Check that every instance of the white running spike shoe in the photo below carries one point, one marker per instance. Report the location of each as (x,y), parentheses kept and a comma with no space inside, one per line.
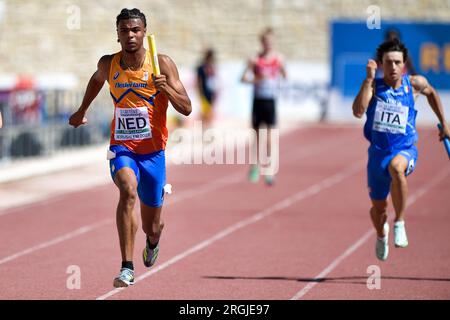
(125,278)
(382,245)
(400,238)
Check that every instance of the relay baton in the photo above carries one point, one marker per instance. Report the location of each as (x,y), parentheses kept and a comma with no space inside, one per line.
(154,54)
(446,142)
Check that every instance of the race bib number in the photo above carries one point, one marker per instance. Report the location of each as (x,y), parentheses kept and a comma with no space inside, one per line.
(132,124)
(390,118)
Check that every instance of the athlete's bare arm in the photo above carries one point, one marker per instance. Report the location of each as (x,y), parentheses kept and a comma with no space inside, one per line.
(169,83)
(420,85)
(93,88)
(365,94)
(283,68)
(248,76)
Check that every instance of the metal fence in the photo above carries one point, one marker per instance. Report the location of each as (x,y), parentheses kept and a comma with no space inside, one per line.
(52,133)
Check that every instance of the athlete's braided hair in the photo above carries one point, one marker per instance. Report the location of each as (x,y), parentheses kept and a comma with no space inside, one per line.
(127,14)
(392,45)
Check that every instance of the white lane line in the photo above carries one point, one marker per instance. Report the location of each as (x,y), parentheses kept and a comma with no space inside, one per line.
(57,240)
(311,149)
(204,188)
(412,199)
(310,191)
(85,229)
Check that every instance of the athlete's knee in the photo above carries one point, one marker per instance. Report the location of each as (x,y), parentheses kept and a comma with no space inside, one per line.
(374,211)
(379,208)
(128,193)
(397,169)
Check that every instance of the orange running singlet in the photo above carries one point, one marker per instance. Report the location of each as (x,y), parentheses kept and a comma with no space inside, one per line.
(139,121)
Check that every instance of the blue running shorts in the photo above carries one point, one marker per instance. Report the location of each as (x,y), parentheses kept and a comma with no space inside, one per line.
(150,171)
(378,176)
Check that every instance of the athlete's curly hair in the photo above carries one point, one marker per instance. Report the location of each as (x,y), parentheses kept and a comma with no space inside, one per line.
(127,14)
(392,45)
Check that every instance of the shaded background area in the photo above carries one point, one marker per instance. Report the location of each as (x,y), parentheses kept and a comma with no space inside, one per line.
(49,49)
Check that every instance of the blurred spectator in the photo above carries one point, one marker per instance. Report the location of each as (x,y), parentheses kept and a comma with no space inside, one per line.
(264,71)
(207,86)
(25,102)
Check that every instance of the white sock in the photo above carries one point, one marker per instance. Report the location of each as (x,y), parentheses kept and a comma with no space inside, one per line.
(400,223)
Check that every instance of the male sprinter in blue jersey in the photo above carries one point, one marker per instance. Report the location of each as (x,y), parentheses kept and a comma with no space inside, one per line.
(391,130)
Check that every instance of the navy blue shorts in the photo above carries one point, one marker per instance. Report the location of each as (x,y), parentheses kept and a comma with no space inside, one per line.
(378,176)
(264,112)
(150,171)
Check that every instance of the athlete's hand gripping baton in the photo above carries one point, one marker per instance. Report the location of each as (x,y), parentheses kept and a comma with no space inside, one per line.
(446,142)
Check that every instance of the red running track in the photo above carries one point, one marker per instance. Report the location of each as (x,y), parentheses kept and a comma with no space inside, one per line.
(307,237)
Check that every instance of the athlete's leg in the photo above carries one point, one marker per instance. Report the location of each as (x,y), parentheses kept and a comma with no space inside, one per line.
(151,194)
(268,161)
(270,120)
(271,124)
(205,111)
(257,145)
(253,175)
(256,124)
(126,181)
(125,174)
(400,167)
(269,141)
(379,181)
(152,224)
(399,186)
(379,216)
(254,158)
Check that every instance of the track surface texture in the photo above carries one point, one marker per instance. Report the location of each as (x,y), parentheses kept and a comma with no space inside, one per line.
(309,236)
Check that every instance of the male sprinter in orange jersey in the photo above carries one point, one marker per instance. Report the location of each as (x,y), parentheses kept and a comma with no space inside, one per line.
(138,133)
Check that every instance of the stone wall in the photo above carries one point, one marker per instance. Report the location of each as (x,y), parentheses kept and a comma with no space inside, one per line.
(35,37)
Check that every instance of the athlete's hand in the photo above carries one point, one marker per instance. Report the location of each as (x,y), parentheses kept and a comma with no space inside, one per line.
(160,82)
(78,119)
(445,132)
(371,69)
